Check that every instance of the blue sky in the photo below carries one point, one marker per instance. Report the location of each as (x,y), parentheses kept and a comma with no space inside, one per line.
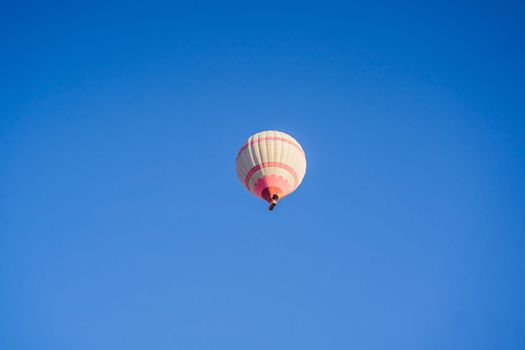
(123,224)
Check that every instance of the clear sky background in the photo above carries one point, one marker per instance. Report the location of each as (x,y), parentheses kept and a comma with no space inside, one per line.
(123,224)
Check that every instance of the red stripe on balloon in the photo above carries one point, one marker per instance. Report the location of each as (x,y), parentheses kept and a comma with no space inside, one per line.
(267,165)
(269,138)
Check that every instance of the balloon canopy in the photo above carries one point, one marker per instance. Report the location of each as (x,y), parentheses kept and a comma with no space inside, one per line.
(271,165)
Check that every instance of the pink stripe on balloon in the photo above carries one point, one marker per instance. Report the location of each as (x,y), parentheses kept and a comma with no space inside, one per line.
(267,165)
(269,138)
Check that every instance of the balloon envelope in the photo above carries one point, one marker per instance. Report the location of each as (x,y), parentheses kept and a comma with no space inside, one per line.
(271,165)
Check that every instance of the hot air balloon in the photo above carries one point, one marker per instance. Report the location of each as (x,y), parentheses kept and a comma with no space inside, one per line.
(271,165)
